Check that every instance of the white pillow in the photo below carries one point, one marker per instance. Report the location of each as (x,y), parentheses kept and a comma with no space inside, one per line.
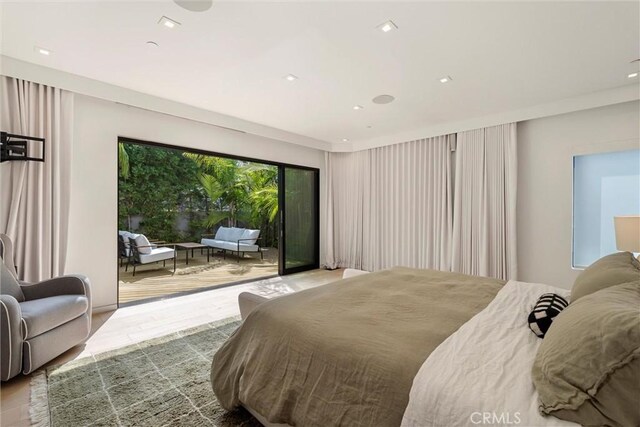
(141,240)
(222,233)
(235,234)
(250,234)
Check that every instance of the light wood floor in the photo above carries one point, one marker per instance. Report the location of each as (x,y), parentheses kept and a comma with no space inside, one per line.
(154,280)
(145,321)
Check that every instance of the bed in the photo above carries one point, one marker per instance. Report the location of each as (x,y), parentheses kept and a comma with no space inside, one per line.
(397,347)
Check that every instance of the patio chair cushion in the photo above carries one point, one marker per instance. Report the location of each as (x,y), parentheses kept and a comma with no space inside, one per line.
(141,240)
(44,314)
(248,248)
(235,234)
(250,234)
(230,246)
(222,233)
(126,235)
(157,254)
(233,246)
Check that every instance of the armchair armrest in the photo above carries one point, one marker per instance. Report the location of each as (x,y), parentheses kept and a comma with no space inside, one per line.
(241,240)
(10,337)
(63,285)
(256,239)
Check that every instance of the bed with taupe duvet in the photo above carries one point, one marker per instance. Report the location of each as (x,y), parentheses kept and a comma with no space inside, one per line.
(354,353)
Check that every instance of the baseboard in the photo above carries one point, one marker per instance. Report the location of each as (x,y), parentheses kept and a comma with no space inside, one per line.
(104,308)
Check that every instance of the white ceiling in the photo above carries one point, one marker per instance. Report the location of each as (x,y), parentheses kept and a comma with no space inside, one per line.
(502,56)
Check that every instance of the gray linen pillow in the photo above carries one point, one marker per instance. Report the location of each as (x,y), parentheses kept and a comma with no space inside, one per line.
(587,369)
(610,270)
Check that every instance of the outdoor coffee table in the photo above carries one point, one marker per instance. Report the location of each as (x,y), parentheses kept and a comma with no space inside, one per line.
(192,246)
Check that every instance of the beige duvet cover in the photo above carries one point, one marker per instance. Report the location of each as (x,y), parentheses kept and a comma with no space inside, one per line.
(345,353)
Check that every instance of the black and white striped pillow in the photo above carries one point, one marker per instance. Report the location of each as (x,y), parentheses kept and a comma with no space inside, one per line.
(543,313)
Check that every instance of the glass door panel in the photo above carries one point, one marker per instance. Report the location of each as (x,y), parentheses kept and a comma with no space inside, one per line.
(299,202)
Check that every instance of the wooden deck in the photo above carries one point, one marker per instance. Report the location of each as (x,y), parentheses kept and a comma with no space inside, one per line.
(155,281)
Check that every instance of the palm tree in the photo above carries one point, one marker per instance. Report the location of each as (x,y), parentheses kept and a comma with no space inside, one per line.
(263,190)
(225,185)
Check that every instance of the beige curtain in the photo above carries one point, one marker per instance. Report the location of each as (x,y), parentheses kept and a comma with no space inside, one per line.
(484,222)
(390,206)
(34,196)
(346,183)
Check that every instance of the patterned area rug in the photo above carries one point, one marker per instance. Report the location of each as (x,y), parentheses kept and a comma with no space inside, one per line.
(160,382)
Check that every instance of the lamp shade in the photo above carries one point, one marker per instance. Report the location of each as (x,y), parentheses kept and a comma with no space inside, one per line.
(627,233)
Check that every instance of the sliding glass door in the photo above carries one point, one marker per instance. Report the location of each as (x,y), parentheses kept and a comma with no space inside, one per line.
(299,219)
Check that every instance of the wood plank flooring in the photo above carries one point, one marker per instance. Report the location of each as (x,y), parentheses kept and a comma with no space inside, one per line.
(145,321)
(154,280)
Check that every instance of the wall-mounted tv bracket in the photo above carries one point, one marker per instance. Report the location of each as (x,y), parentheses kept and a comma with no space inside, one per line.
(17,147)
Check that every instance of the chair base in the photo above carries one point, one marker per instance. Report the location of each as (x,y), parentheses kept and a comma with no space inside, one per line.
(45,347)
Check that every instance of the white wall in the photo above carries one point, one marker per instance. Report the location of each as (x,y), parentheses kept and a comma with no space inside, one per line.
(93,223)
(546,148)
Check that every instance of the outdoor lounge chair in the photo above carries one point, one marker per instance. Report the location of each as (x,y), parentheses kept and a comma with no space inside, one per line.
(124,251)
(142,252)
(232,239)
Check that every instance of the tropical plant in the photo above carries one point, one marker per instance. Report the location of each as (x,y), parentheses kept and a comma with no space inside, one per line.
(171,195)
(123,161)
(160,184)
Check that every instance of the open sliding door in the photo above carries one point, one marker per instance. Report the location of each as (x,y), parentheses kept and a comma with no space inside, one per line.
(299,219)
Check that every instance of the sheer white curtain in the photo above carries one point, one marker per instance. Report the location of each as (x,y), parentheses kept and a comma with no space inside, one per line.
(484,222)
(391,206)
(34,196)
(347,191)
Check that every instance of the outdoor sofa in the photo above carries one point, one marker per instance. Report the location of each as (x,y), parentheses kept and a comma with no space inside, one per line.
(232,239)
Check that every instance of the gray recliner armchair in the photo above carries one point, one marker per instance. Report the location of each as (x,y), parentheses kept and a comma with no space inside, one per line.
(39,321)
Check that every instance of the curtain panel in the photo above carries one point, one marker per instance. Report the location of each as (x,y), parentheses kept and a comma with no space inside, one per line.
(390,206)
(446,203)
(34,196)
(484,230)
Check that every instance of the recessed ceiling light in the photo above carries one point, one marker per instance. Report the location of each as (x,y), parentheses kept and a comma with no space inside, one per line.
(445,79)
(168,22)
(291,77)
(42,51)
(632,75)
(383,99)
(358,107)
(385,27)
(152,44)
(345,139)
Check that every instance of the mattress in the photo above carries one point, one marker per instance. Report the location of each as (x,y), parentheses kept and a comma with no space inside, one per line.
(345,353)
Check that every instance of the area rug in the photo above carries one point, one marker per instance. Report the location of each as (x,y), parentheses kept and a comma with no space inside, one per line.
(160,382)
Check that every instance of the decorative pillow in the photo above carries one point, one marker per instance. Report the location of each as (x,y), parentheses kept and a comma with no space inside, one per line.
(543,313)
(587,368)
(235,234)
(250,234)
(222,233)
(126,235)
(611,270)
(141,240)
